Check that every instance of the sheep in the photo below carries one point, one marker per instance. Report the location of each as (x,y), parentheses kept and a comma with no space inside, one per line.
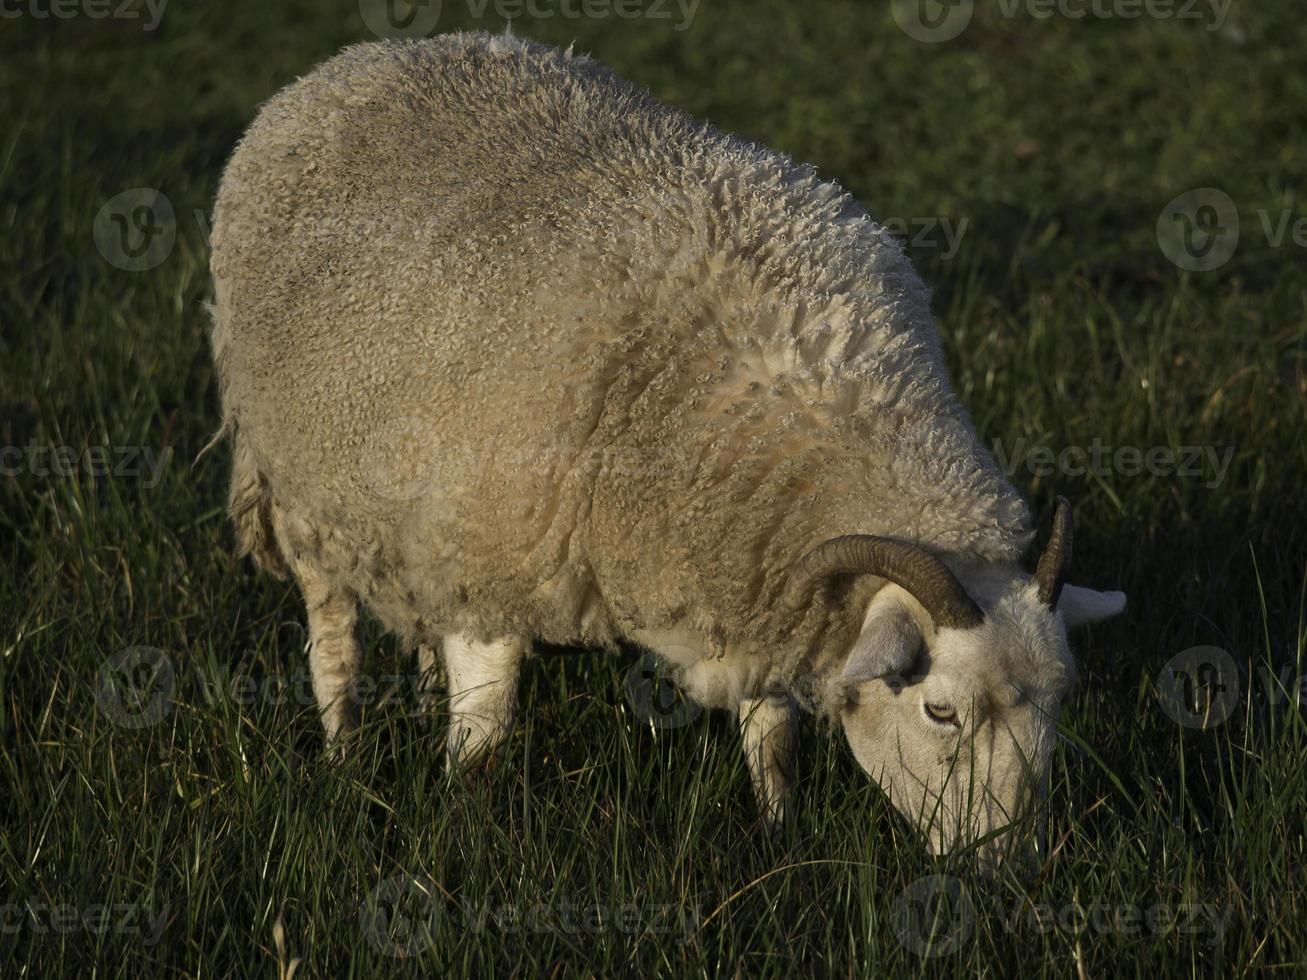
(509,352)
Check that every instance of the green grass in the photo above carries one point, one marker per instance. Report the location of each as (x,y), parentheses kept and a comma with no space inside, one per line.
(1059,141)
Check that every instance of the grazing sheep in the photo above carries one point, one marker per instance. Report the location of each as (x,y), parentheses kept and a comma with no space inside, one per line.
(509,351)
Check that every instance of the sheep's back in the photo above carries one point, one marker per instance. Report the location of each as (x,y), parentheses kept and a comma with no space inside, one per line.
(504,334)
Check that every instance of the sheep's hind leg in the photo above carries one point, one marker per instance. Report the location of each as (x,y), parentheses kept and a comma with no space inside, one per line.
(767,729)
(334,654)
(482,688)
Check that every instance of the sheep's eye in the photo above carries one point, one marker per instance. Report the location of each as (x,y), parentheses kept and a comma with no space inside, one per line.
(941,714)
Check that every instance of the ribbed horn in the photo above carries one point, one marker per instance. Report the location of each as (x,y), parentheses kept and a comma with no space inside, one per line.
(922,574)
(1055,562)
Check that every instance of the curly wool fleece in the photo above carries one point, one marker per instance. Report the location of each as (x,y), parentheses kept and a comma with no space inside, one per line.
(508,347)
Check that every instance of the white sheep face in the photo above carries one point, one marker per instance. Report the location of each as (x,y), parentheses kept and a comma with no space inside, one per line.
(960,731)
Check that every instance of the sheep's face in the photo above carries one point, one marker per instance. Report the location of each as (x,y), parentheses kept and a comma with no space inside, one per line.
(960,731)
(950,695)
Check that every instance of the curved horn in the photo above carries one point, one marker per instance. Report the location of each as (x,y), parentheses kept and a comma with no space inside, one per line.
(1055,562)
(923,575)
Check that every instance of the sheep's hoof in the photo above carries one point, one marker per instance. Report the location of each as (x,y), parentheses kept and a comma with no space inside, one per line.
(771,818)
(339,747)
(475,770)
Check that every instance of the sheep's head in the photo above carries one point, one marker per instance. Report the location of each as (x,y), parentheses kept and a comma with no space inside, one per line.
(950,696)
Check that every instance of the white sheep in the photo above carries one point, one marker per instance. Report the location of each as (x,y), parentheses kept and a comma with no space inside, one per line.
(509,351)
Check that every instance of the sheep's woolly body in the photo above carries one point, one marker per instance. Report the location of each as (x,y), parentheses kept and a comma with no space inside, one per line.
(507,347)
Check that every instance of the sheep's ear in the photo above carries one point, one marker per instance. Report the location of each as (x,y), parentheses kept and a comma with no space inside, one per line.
(887,645)
(1080,606)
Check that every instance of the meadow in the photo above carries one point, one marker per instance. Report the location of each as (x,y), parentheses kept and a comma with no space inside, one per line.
(1070,179)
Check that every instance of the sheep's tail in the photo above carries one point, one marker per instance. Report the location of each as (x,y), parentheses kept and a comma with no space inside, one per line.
(249,499)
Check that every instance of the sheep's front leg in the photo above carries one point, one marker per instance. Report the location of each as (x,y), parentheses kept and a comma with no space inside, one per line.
(482,688)
(428,678)
(334,654)
(767,730)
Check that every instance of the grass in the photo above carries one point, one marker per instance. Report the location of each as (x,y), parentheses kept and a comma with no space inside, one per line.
(600,845)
